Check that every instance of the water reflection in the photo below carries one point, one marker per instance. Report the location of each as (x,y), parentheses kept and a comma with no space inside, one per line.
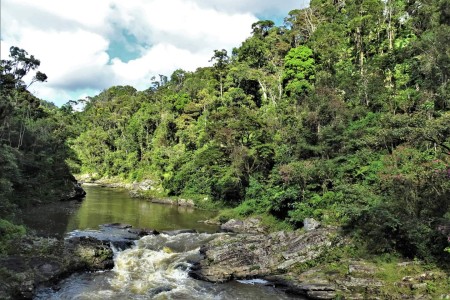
(107,205)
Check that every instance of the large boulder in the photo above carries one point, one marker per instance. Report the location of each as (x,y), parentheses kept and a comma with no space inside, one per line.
(40,260)
(242,256)
(74,191)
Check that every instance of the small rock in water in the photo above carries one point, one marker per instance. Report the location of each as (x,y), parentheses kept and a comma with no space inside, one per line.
(116,225)
(160,290)
(143,231)
(253,281)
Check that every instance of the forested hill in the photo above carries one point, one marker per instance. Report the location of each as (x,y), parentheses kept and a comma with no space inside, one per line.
(342,114)
(33,147)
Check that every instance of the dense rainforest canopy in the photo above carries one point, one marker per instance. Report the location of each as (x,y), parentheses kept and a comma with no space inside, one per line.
(341,114)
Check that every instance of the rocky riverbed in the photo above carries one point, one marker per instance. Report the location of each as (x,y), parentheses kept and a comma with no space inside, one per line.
(40,261)
(298,262)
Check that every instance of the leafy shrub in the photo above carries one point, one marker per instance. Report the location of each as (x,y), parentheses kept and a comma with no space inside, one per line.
(8,234)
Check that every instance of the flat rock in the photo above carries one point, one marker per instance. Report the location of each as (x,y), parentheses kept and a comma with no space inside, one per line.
(321,295)
(245,256)
(251,226)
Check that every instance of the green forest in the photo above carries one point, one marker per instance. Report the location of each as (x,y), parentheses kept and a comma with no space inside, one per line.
(341,114)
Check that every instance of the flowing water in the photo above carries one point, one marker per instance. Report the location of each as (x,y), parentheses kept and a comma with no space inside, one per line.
(156,267)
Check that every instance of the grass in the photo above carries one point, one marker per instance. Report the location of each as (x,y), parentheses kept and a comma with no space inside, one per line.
(412,279)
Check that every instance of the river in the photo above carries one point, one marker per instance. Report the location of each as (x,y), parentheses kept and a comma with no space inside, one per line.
(156,267)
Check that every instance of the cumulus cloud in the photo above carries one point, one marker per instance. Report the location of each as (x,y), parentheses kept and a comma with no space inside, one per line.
(73,38)
(257,7)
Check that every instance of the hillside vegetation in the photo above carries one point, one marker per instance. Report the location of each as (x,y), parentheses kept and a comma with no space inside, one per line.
(341,114)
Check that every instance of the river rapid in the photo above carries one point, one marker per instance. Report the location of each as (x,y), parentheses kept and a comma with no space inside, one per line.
(156,266)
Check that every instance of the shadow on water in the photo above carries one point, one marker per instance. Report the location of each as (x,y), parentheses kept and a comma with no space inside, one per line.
(108,205)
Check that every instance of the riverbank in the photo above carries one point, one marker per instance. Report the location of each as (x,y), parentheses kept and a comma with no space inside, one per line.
(147,189)
(321,263)
(340,268)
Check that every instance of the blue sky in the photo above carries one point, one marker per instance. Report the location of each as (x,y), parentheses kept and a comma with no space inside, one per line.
(86,46)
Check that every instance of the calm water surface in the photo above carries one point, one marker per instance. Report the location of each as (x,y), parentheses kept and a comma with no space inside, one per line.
(108,205)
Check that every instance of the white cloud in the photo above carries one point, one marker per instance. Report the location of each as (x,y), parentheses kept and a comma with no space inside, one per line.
(254,6)
(72,38)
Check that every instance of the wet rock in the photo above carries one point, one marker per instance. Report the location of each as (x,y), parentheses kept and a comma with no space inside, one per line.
(89,253)
(175,232)
(121,236)
(310,224)
(252,226)
(143,231)
(49,268)
(116,225)
(159,290)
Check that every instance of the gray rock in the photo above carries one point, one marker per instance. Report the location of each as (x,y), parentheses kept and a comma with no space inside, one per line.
(242,256)
(252,225)
(88,253)
(26,289)
(43,260)
(317,287)
(360,282)
(232,226)
(360,268)
(310,224)
(176,232)
(418,286)
(321,295)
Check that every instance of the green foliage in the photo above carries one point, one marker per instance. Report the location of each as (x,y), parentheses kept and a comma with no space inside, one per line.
(341,115)
(33,137)
(299,70)
(9,234)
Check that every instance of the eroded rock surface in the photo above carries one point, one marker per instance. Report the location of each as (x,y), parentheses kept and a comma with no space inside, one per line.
(46,260)
(242,256)
(249,226)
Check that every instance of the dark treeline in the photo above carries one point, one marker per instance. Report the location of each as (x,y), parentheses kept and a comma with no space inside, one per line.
(33,146)
(341,114)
